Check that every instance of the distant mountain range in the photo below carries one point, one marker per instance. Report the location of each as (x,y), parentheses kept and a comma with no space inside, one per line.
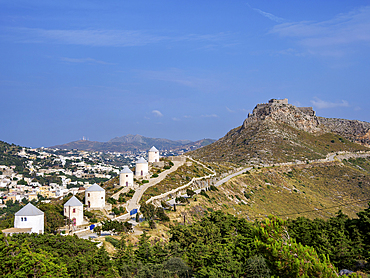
(134,143)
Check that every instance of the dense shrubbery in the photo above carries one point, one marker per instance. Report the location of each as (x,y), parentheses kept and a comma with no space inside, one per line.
(220,245)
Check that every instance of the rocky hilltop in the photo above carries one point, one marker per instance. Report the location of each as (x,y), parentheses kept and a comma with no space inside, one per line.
(280,132)
(302,118)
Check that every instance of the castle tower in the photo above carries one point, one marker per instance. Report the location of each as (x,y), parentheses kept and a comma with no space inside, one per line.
(30,217)
(153,155)
(73,209)
(126,177)
(95,197)
(142,168)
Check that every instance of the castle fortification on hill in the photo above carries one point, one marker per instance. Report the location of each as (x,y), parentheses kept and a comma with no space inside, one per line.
(280,110)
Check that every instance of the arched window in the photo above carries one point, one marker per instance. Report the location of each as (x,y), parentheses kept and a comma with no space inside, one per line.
(74,210)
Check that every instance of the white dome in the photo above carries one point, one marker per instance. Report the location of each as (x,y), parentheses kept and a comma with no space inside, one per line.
(73,202)
(126,170)
(94,187)
(153,149)
(141,160)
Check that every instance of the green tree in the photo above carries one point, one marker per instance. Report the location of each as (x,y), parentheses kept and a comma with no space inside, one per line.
(21,261)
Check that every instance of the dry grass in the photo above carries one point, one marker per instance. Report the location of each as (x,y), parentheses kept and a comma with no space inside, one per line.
(180,177)
(271,142)
(288,192)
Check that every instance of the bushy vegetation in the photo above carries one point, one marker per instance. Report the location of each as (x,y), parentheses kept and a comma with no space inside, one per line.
(219,245)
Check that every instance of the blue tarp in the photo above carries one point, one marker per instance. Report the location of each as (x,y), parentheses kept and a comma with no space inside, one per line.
(134,211)
(92,227)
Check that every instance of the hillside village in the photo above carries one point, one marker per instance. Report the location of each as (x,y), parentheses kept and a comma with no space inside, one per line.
(95,196)
(47,174)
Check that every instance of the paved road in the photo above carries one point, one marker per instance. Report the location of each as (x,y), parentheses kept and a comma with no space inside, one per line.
(134,202)
(123,190)
(225,179)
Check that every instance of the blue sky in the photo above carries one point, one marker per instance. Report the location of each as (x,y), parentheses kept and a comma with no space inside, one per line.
(174,69)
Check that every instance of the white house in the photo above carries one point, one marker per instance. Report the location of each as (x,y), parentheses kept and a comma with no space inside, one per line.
(73,209)
(95,197)
(126,177)
(30,217)
(153,155)
(141,168)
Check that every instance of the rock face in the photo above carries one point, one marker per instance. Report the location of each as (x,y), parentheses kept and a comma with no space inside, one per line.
(304,118)
(279,110)
(354,130)
(277,132)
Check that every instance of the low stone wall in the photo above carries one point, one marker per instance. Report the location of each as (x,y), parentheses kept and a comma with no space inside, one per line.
(195,183)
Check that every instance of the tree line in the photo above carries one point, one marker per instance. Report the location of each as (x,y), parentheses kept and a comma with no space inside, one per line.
(219,245)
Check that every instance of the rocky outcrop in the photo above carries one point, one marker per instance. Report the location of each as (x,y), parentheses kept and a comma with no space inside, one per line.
(353,130)
(303,118)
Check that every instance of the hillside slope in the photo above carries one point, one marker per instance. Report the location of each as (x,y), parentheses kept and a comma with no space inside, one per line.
(311,190)
(279,132)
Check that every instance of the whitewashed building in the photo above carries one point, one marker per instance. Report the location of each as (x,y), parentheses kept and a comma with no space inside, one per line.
(30,217)
(153,155)
(73,209)
(142,168)
(126,177)
(95,197)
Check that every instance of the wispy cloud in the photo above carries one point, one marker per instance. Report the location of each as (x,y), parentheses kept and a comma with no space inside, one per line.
(157,113)
(210,116)
(269,16)
(330,37)
(175,119)
(204,84)
(84,60)
(322,104)
(229,110)
(102,37)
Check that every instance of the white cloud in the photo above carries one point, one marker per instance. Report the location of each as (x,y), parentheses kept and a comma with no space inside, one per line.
(102,37)
(228,109)
(176,119)
(269,16)
(330,37)
(84,60)
(322,104)
(157,113)
(204,84)
(210,116)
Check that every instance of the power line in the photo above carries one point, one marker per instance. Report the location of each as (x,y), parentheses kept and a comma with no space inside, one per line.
(315,210)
